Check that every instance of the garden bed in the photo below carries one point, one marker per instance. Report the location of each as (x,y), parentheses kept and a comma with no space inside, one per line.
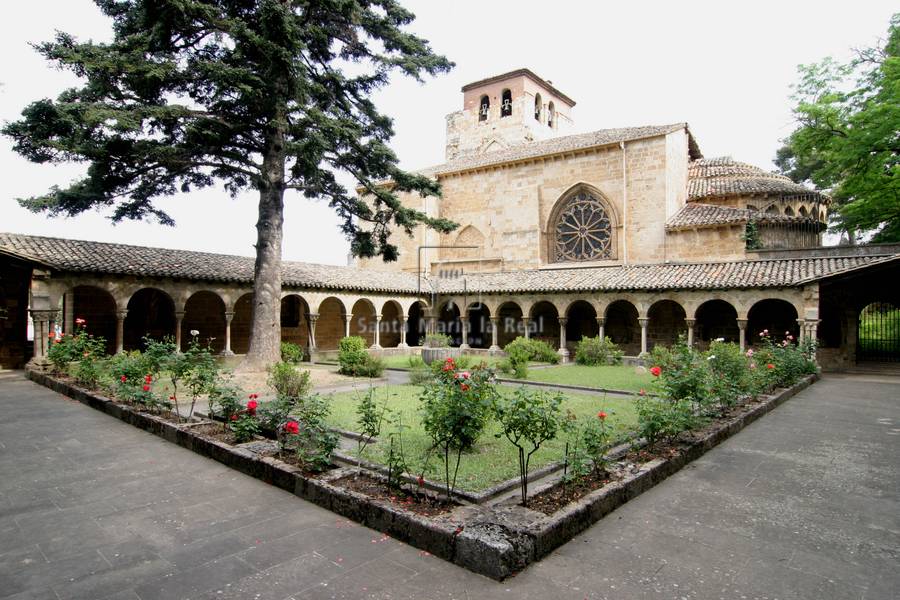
(497,539)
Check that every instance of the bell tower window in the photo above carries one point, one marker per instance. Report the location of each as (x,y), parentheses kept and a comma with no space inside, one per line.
(484,108)
(551,115)
(506,104)
(537,107)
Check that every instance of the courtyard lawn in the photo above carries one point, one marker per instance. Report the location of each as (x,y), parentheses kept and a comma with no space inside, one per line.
(610,377)
(494,459)
(403,362)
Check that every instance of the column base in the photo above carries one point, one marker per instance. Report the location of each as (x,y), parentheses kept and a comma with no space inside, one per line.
(465,347)
(41,365)
(227,353)
(375,347)
(403,346)
(494,349)
(563,355)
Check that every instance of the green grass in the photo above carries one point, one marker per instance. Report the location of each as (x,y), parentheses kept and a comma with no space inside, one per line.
(494,459)
(403,362)
(879,331)
(604,376)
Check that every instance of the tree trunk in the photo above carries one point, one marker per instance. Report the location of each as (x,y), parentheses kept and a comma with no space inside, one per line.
(265,327)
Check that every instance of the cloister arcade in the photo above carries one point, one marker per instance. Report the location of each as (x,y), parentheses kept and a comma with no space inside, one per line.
(124,312)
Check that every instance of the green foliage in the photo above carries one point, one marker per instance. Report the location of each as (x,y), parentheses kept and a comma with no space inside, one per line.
(196,369)
(224,398)
(752,240)
(456,407)
(596,351)
(288,381)
(370,417)
(77,347)
(661,419)
(845,142)
(590,440)
(291,353)
(523,350)
(528,419)
(157,354)
(314,443)
(258,95)
(730,374)
(87,373)
(356,361)
(245,427)
(685,373)
(437,340)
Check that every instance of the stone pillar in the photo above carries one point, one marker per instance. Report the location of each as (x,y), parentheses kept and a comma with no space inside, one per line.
(601,322)
(179,319)
(41,320)
(69,313)
(464,321)
(120,331)
(347,318)
(690,331)
(563,351)
(377,344)
(430,324)
(527,322)
(313,317)
(229,315)
(803,325)
(495,323)
(742,333)
(403,326)
(644,324)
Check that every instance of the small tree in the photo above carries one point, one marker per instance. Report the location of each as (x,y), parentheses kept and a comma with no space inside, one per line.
(370,417)
(528,419)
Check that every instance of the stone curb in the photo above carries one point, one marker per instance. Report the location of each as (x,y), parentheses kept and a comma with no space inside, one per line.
(497,541)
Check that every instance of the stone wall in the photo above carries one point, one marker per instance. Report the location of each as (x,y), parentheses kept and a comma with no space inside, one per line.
(706,244)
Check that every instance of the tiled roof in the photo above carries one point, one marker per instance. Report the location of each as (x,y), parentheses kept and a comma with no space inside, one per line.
(724,176)
(122,259)
(696,215)
(688,276)
(567,143)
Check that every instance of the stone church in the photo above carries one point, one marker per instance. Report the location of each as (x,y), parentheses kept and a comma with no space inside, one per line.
(629,233)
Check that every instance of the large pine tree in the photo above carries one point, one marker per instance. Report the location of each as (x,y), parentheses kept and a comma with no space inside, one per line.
(272,95)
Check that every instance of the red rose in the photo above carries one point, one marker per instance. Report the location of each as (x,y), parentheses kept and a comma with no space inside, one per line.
(148,378)
(655,371)
(464,387)
(292,427)
(123,378)
(421,481)
(172,398)
(601,415)
(146,388)
(770,366)
(234,417)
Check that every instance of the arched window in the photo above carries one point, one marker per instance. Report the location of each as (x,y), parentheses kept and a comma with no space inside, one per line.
(751,207)
(789,211)
(537,107)
(506,104)
(581,229)
(484,107)
(551,115)
(772,210)
(803,211)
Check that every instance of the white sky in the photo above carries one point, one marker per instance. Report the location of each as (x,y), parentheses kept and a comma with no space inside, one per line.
(725,68)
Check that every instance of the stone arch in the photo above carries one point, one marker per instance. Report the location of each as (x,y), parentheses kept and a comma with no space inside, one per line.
(803,212)
(772,210)
(448,322)
(582,226)
(666,322)
(622,326)
(551,115)
(151,313)
(478,325)
(775,315)
(545,322)
(716,318)
(330,326)
(241,323)
(510,324)
(484,107)
(506,108)
(581,322)
(363,322)
(469,236)
(789,211)
(391,324)
(295,320)
(97,307)
(416,323)
(204,312)
(538,107)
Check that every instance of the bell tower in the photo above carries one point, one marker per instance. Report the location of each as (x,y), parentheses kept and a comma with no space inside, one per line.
(506,110)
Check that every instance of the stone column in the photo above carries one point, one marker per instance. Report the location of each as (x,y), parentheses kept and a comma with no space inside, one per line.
(179,319)
(403,327)
(69,313)
(120,331)
(690,331)
(803,325)
(430,324)
(601,322)
(527,322)
(742,333)
(313,318)
(347,318)
(495,322)
(377,344)
(464,321)
(229,315)
(644,323)
(563,351)
(41,320)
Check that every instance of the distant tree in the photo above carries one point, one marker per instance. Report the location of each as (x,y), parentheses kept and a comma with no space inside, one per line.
(271,95)
(847,141)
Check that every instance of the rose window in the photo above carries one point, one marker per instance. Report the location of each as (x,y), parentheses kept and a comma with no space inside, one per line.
(583,230)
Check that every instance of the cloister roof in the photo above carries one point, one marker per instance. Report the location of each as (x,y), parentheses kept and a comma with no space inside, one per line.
(80,256)
(122,259)
(697,215)
(724,176)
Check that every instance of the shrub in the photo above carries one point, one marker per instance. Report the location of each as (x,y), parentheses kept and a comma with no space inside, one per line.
(79,346)
(288,381)
(244,426)
(598,351)
(589,445)
(127,371)
(663,418)
(528,419)
(158,354)
(420,375)
(196,369)
(314,443)
(356,361)
(370,417)
(521,351)
(437,340)
(730,371)
(456,407)
(291,353)
(224,399)
(683,373)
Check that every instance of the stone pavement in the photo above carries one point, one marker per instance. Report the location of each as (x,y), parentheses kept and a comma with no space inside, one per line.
(802,504)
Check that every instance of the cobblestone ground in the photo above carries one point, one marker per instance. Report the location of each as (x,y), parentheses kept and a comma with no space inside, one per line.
(802,504)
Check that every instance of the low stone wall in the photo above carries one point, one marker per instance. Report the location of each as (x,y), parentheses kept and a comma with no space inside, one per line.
(497,540)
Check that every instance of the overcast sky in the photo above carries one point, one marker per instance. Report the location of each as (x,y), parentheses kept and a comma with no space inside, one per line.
(725,68)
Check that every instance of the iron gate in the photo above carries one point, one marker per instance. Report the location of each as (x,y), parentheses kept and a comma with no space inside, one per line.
(878,333)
